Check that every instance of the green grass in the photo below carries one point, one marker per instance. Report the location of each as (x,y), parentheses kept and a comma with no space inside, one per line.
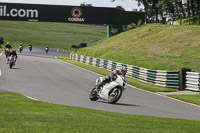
(158,47)
(195,99)
(193,21)
(57,35)
(20,114)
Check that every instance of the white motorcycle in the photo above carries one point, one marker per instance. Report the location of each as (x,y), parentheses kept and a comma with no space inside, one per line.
(110,92)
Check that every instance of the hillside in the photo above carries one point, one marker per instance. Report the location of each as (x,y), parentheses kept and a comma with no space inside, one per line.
(59,35)
(159,47)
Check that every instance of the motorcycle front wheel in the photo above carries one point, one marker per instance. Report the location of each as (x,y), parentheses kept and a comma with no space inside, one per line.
(11,65)
(93,95)
(114,95)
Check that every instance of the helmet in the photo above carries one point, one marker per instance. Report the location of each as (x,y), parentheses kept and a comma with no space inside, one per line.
(123,70)
(7,42)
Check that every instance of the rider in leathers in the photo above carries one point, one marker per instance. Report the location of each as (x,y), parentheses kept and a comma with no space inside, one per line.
(8,46)
(112,76)
(14,54)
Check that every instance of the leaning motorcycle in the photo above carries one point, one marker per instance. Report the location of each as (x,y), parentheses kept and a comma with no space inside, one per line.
(11,61)
(110,92)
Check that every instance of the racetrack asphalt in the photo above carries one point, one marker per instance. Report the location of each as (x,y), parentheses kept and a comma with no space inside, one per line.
(40,76)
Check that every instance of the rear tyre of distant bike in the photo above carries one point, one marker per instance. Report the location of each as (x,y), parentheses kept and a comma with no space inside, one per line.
(93,95)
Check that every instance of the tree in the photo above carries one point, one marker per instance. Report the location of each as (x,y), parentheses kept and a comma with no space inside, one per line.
(176,9)
(120,8)
(85,4)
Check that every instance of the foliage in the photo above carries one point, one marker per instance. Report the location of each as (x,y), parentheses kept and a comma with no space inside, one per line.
(139,23)
(131,26)
(87,5)
(120,8)
(172,9)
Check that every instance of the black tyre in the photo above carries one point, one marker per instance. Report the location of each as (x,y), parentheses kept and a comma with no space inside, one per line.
(114,95)
(11,65)
(93,95)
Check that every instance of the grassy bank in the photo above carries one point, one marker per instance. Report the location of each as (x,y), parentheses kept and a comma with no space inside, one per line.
(159,47)
(58,35)
(20,114)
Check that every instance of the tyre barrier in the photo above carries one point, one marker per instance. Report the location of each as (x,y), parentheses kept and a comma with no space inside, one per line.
(169,79)
(192,81)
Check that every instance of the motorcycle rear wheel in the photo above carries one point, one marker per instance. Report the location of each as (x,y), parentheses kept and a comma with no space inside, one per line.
(93,95)
(113,97)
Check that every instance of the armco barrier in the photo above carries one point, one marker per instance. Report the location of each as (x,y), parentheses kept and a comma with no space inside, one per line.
(192,81)
(162,78)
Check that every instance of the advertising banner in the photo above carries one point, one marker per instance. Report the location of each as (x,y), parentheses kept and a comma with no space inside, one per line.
(70,14)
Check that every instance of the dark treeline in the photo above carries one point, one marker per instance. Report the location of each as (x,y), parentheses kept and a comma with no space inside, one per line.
(158,10)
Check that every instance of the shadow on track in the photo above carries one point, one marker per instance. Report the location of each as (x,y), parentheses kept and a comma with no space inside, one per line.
(121,104)
(16,68)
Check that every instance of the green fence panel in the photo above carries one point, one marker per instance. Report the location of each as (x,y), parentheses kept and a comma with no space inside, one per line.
(135,72)
(105,64)
(97,62)
(90,60)
(114,66)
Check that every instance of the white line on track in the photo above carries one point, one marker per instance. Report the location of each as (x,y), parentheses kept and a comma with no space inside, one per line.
(0,56)
(137,88)
(32,98)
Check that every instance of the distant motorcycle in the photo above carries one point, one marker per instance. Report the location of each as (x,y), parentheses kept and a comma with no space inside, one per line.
(7,52)
(11,61)
(30,48)
(110,92)
(20,49)
(46,49)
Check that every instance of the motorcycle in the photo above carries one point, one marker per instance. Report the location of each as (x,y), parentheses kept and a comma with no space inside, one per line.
(11,61)
(30,48)
(20,49)
(110,92)
(46,49)
(7,52)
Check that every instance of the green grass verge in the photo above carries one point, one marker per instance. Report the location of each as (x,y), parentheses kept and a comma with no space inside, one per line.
(22,115)
(158,47)
(195,99)
(57,35)
(130,81)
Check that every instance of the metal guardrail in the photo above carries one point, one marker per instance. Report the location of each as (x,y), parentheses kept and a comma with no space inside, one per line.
(192,81)
(162,78)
